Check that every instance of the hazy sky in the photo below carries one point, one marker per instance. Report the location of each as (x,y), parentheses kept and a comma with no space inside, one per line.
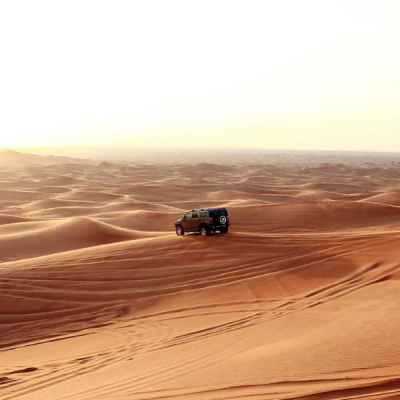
(277,74)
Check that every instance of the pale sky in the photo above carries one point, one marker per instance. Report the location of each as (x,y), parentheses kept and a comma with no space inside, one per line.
(290,74)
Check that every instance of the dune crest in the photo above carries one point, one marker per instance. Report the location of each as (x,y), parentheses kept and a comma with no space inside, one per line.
(392,199)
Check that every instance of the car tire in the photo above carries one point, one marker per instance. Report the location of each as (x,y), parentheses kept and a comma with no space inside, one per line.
(179,231)
(204,231)
(224,230)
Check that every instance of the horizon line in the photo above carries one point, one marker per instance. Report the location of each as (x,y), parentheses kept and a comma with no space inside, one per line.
(226,148)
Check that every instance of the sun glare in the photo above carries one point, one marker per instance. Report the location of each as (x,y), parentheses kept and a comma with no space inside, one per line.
(288,74)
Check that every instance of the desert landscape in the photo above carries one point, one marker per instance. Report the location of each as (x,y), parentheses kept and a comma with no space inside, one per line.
(101,300)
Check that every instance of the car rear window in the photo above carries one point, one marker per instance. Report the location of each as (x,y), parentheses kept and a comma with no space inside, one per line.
(214,213)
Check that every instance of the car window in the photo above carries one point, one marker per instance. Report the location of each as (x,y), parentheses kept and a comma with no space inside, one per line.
(219,212)
(188,215)
(195,215)
(203,214)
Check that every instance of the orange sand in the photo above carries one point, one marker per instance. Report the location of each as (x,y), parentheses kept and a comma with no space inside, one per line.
(101,300)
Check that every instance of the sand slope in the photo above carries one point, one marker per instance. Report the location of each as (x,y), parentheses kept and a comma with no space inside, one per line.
(392,199)
(68,235)
(101,300)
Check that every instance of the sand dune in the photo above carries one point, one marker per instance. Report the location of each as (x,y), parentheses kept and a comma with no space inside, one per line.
(225,320)
(10,157)
(101,300)
(64,236)
(57,202)
(315,216)
(210,168)
(11,219)
(23,226)
(20,195)
(392,199)
(141,220)
(90,196)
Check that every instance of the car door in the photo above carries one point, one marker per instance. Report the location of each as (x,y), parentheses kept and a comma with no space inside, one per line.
(195,223)
(186,221)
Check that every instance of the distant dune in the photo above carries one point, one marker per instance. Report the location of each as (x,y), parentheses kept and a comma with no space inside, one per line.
(101,300)
(392,199)
(10,157)
(11,219)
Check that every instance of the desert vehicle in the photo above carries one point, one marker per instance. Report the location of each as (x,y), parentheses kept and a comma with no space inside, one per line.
(204,221)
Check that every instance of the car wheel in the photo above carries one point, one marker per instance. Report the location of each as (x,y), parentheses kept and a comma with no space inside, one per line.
(224,230)
(179,231)
(204,231)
